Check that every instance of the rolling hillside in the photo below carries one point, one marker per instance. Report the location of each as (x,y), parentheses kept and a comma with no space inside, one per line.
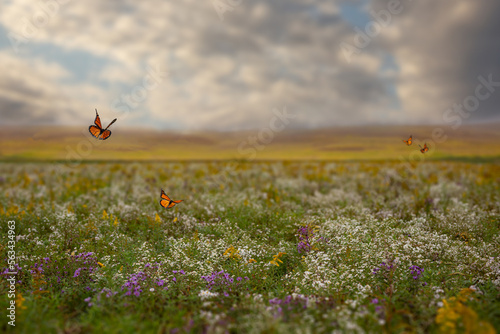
(347,143)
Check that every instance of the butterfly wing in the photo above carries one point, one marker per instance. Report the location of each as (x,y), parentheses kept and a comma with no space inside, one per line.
(95,131)
(171,205)
(177,202)
(97,120)
(410,140)
(164,203)
(164,196)
(105,134)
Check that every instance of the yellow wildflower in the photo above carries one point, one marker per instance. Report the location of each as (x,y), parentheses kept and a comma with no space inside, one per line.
(12,210)
(447,317)
(454,310)
(276,258)
(19,302)
(232,253)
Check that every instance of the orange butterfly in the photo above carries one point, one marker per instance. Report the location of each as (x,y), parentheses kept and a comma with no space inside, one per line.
(408,142)
(424,149)
(166,202)
(97,130)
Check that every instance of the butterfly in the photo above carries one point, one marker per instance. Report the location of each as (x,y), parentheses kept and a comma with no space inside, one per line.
(97,130)
(166,202)
(424,149)
(408,142)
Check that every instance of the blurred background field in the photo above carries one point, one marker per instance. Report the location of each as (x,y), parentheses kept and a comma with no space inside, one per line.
(469,142)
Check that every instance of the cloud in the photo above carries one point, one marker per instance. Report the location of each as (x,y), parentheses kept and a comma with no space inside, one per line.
(440,50)
(25,94)
(230,74)
(30,94)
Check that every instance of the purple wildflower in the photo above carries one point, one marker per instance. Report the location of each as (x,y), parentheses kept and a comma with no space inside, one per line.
(77,272)
(416,273)
(305,234)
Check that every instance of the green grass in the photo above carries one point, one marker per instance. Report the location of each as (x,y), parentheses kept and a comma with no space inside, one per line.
(237,217)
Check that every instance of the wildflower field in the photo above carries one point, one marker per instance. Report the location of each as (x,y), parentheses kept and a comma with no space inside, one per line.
(262,247)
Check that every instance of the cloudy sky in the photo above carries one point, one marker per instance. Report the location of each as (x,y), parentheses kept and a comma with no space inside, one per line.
(226,64)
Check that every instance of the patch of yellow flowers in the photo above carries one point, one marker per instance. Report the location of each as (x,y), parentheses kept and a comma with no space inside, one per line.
(232,253)
(276,259)
(19,302)
(454,310)
(115,222)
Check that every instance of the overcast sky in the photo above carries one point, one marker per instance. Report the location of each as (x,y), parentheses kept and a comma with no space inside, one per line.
(226,64)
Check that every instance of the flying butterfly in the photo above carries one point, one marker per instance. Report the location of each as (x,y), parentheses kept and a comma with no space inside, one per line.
(424,149)
(97,130)
(409,141)
(166,202)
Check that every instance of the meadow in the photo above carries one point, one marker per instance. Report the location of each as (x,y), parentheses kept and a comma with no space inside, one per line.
(255,247)
(362,143)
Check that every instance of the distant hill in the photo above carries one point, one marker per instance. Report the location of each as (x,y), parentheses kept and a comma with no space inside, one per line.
(344,143)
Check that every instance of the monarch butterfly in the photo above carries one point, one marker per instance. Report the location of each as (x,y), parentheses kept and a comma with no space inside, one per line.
(408,142)
(97,130)
(166,202)
(424,149)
